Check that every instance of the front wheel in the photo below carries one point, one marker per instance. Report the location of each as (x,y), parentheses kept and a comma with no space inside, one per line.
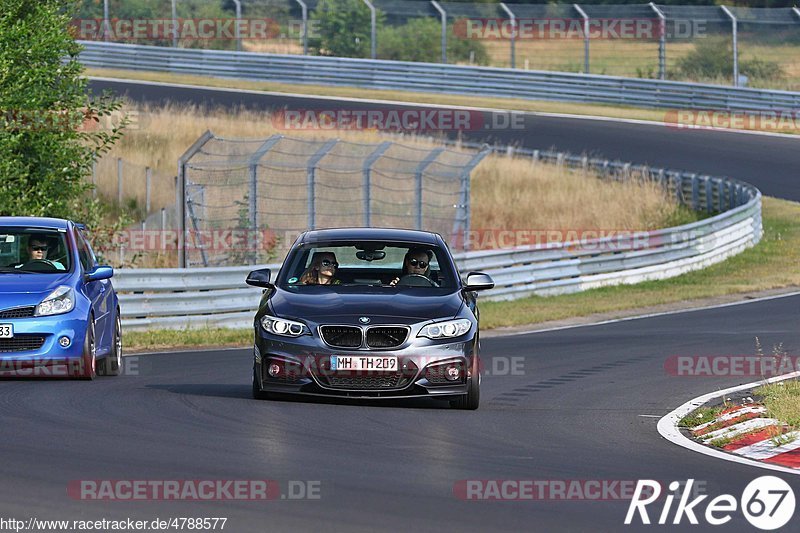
(472,399)
(259,394)
(110,366)
(88,365)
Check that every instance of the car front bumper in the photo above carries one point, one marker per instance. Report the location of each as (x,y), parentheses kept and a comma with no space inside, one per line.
(305,368)
(35,350)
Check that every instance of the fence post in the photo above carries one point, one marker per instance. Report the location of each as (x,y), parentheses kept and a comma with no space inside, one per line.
(174,23)
(119,182)
(662,41)
(106,23)
(311,180)
(585,17)
(148,179)
(443,15)
(512,42)
(734,30)
(238,5)
(366,171)
(304,9)
(373,30)
(94,178)
(425,163)
(180,194)
(465,204)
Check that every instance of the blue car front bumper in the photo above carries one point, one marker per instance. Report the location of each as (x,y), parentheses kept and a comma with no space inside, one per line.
(35,343)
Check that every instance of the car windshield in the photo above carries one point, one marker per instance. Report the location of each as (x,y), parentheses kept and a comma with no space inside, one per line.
(39,251)
(372,263)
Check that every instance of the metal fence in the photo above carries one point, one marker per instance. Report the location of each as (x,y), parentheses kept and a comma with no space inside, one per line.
(269,189)
(218,297)
(752,46)
(434,78)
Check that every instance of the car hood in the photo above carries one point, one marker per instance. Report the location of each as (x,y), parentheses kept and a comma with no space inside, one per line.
(380,305)
(28,289)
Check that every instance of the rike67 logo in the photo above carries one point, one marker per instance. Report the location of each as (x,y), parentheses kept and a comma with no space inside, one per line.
(767,503)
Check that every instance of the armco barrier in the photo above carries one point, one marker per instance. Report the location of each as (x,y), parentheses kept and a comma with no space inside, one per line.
(436,78)
(177,298)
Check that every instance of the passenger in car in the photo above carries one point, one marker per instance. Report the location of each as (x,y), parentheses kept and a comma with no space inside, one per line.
(322,270)
(417,261)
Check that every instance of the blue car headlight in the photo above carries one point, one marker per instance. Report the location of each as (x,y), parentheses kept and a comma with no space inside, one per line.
(283,327)
(446,330)
(61,300)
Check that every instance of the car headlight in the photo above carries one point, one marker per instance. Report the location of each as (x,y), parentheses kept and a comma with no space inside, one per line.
(61,300)
(283,327)
(446,330)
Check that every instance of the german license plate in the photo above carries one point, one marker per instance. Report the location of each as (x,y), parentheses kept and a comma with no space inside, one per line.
(377,363)
(6,331)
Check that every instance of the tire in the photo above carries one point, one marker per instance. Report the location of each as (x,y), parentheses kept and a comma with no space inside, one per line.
(472,399)
(110,366)
(88,366)
(258,394)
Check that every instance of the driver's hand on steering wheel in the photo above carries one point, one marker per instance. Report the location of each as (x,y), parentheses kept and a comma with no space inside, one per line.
(394,282)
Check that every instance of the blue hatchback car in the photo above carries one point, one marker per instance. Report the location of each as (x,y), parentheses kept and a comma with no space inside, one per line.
(59,314)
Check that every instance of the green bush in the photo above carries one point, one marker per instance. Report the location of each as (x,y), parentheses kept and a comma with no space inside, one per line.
(421,40)
(713,58)
(343,27)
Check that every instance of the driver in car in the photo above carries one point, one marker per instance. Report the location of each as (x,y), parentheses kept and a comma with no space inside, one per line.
(322,270)
(416,262)
(38,248)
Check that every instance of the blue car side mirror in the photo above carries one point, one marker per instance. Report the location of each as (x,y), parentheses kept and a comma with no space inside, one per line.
(99,272)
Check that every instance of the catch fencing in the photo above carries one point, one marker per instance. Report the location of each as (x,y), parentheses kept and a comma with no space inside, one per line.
(755,46)
(218,297)
(266,189)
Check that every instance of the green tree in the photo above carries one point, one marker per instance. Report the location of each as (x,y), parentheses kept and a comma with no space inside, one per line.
(46,148)
(342,27)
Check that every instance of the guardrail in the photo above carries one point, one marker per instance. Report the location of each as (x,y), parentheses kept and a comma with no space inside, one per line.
(218,297)
(436,78)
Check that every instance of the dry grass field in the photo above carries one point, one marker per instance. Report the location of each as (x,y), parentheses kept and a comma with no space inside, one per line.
(507,193)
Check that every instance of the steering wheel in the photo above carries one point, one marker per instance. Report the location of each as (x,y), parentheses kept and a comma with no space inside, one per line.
(416,280)
(36,265)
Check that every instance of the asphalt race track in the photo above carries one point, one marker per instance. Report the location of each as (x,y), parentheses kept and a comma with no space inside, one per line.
(572,414)
(769,162)
(572,410)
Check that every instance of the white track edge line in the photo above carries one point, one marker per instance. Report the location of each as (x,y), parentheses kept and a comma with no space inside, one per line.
(668,427)
(443,106)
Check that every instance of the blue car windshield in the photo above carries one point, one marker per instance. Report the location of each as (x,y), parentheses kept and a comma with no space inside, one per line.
(39,251)
(369,263)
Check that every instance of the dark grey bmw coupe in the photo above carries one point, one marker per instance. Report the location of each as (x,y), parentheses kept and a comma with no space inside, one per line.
(369,313)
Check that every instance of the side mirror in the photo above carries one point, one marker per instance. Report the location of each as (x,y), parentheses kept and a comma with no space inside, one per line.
(259,278)
(99,272)
(478,281)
